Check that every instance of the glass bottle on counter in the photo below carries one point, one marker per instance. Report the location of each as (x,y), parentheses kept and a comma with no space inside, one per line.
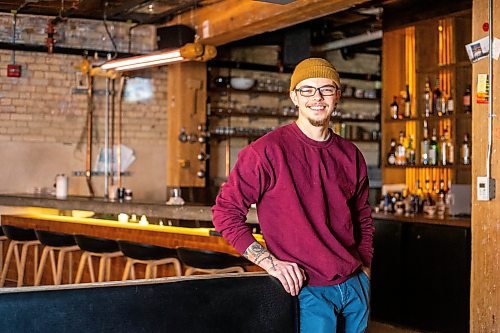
(407,111)
(391,155)
(433,149)
(467,100)
(395,108)
(465,155)
(424,146)
(427,98)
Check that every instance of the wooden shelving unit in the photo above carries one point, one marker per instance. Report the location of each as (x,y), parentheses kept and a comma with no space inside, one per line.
(431,49)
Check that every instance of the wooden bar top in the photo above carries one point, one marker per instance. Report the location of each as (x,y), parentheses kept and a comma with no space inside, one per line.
(421,218)
(101,205)
(167,236)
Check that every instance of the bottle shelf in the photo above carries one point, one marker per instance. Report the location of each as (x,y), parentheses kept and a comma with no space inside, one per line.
(256,136)
(275,113)
(422,166)
(222,90)
(431,118)
(99,173)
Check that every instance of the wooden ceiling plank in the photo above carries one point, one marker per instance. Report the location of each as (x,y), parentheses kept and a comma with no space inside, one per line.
(232,20)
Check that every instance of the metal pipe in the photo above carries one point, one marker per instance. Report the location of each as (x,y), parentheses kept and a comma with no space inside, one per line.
(354,40)
(14,25)
(88,157)
(106,140)
(490,88)
(119,132)
(112,133)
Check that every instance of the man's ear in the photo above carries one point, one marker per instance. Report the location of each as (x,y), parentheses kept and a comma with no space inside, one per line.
(293,97)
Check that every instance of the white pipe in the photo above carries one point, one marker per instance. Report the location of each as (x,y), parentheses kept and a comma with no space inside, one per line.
(490,88)
(354,40)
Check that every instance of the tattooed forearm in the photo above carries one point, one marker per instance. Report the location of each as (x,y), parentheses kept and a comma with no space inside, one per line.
(256,253)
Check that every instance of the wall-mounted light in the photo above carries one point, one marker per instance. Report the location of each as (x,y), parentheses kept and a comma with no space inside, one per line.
(189,52)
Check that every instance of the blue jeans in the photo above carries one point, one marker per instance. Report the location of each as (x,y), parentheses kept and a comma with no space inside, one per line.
(344,306)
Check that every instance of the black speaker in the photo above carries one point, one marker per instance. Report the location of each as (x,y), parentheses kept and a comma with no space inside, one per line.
(296,46)
(174,36)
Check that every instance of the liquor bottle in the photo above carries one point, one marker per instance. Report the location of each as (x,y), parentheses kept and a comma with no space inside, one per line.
(467,100)
(424,146)
(395,108)
(410,152)
(391,155)
(446,149)
(451,148)
(451,104)
(443,101)
(407,112)
(465,154)
(401,150)
(427,98)
(433,149)
(436,99)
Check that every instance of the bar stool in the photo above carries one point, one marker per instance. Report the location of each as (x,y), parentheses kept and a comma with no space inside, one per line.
(24,238)
(53,242)
(210,262)
(150,255)
(104,249)
(3,238)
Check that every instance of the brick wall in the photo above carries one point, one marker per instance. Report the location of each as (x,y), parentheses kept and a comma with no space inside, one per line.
(43,127)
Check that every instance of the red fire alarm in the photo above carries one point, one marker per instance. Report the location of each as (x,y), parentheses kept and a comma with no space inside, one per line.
(13,70)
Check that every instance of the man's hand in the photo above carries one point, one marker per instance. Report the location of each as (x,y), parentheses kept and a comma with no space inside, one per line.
(289,274)
(367,271)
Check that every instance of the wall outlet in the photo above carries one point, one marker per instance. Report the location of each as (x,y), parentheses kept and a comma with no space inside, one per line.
(485,188)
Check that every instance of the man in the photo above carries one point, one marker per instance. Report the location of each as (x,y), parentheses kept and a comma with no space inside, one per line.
(311,190)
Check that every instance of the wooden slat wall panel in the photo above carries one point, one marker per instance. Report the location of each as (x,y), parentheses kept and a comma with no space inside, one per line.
(187,95)
(393,65)
(485,275)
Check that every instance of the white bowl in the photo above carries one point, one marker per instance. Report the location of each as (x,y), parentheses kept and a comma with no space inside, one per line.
(242,83)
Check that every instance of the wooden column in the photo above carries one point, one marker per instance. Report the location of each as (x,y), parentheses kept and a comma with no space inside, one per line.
(187,94)
(485,272)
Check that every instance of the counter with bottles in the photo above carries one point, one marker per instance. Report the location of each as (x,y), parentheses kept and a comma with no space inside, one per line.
(424,218)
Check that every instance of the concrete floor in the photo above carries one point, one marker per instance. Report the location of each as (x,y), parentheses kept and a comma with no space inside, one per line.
(377,327)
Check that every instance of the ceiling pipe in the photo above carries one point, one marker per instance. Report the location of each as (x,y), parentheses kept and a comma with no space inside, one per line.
(349,41)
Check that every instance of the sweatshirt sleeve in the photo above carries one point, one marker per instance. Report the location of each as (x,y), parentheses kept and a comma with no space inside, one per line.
(246,183)
(362,216)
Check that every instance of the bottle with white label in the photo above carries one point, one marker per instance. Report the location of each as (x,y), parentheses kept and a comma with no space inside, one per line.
(61,186)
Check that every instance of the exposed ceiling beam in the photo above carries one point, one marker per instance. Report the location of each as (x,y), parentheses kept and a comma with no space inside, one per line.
(232,20)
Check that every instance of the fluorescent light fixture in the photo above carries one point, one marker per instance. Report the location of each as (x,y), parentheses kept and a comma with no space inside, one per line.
(190,51)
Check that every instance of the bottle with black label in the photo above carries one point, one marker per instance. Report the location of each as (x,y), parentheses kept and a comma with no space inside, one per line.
(424,146)
(391,155)
(395,108)
(433,149)
(407,112)
(427,98)
(467,100)
(465,152)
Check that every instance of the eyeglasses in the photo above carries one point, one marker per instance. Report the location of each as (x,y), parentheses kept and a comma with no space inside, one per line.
(308,91)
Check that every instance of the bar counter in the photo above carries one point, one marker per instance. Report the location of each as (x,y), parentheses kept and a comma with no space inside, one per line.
(421,218)
(100,205)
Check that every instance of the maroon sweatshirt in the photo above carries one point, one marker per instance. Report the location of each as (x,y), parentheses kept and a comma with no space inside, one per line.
(312,203)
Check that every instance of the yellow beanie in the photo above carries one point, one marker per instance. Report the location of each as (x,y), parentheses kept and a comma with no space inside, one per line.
(314,68)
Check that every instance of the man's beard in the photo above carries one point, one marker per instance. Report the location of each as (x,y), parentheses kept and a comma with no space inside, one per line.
(318,123)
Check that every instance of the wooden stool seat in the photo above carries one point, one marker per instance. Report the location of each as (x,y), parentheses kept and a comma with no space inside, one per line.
(104,249)
(24,238)
(53,242)
(150,255)
(210,262)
